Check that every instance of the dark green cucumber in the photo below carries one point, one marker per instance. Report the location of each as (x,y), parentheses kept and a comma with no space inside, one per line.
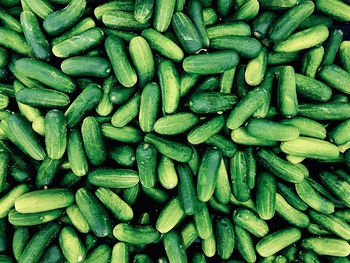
(113,178)
(262,24)
(123,154)
(138,235)
(245,244)
(122,20)
(335,9)
(239,177)
(146,158)
(128,111)
(226,146)
(86,66)
(119,95)
(208,174)
(291,197)
(38,243)
(19,241)
(251,222)
(312,89)
(332,46)
(127,5)
(143,10)
(12,40)
(266,195)
(335,77)
(211,102)
(174,247)
(174,150)
(126,134)
(203,222)
(225,237)
(42,97)
(187,192)
(36,39)
(245,46)
(325,111)
(46,172)
(32,219)
(76,153)
(55,134)
(337,185)
(93,212)
(195,12)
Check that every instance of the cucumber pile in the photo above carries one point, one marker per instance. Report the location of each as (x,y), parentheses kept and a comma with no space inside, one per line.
(174,131)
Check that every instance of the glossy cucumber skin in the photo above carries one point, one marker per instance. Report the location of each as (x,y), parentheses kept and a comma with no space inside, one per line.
(86,66)
(245,46)
(187,192)
(146,158)
(14,41)
(42,97)
(138,235)
(336,77)
(163,13)
(334,8)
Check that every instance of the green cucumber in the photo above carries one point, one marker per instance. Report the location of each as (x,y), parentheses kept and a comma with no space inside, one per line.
(226,146)
(156,194)
(32,219)
(105,106)
(240,136)
(146,158)
(77,219)
(332,46)
(239,177)
(262,24)
(55,134)
(226,80)
(277,58)
(35,38)
(325,111)
(313,199)
(176,123)
(36,97)
(12,40)
(36,246)
(250,222)
(44,73)
(223,186)
(163,13)
(195,12)
(7,201)
(344,55)
(327,246)
(245,46)
(287,94)
(120,253)
(277,241)
(335,9)
(59,21)
(311,61)
(187,192)
(128,111)
(94,213)
(247,11)
(209,246)
(138,235)
(126,134)
(308,127)
(120,94)
(266,195)
(225,238)
(167,174)
(143,10)
(101,254)
(100,10)
(78,43)
(228,29)
(203,222)
(211,63)
(122,20)
(187,82)
(84,102)
(119,208)
(86,66)
(245,244)
(188,234)
(19,241)
(41,8)
(171,214)
(131,194)
(337,185)
(208,174)
(113,178)
(169,86)
(335,77)
(312,89)
(256,68)
(76,153)
(123,154)
(174,248)
(72,247)
(211,102)
(47,171)
(202,132)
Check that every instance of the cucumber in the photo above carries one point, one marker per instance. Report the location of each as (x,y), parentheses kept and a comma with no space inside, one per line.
(332,223)
(278,4)
(128,111)
(174,248)
(291,214)
(113,178)
(186,190)
(267,85)
(325,111)
(119,95)
(78,43)
(188,234)
(72,247)
(143,10)
(101,254)
(226,80)
(337,185)
(38,243)
(220,61)
(317,230)
(24,137)
(42,97)
(124,155)
(126,134)
(310,148)
(4,167)
(187,82)
(245,244)
(332,46)
(239,177)
(100,10)
(209,246)
(44,73)
(335,77)
(120,253)
(228,29)
(277,241)
(344,55)
(122,20)
(290,20)
(76,153)
(270,130)
(86,66)
(225,238)
(245,46)
(163,13)
(47,171)
(123,70)
(163,45)
(250,222)
(335,9)
(19,241)
(277,58)
(245,108)
(312,89)
(7,201)
(156,194)
(167,174)
(195,12)
(287,95)
(202,132)
(203,222)
(311,61)
(227,147)
(93,212)
(240,136)
(169,86)
(247,11)
(211,102)
(280,168)
(304,39)
(146,158)
(35,38)
(59,21)
(313,198)
(41,8)
(256,68)
(174,150)
(77,219)
(176,123)
(119,208)
(83,103)
(263,23)
(142,58)
(55,134)
(223,189)
(12,40)
(171,214)
(208,173)
(266,196)
(138,235)
(9,21)
(327,246)
(130,194)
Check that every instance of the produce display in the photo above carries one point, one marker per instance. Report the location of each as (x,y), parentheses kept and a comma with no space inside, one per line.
(174,131)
